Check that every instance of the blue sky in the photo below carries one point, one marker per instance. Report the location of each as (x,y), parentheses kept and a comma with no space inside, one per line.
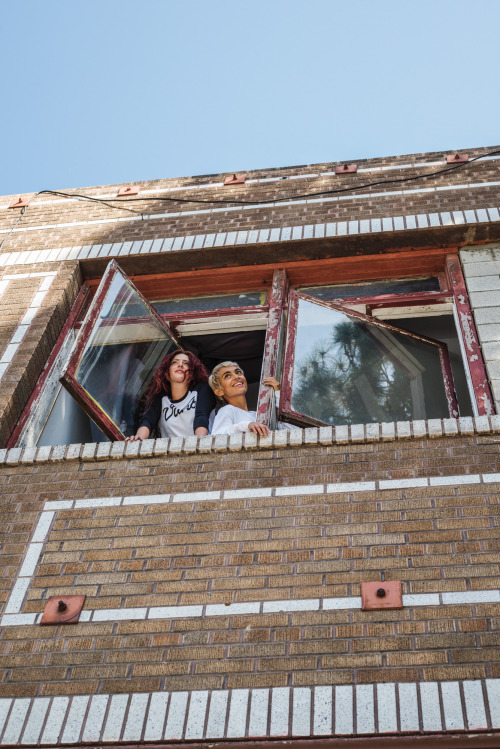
(111,91)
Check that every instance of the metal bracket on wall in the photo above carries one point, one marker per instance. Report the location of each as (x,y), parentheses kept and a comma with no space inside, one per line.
(235,179)
(457,158)
(376,595)
(346,169)
(130,190)
(19,203)
(63,610)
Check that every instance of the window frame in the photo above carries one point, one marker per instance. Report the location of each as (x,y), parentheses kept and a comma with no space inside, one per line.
(273,346)
(174,319)
(442,263)
(481,396)
(68,377)
(301,419)
(50,376)
(444,287)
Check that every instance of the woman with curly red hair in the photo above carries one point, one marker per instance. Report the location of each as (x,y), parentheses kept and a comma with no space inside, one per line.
(178,399)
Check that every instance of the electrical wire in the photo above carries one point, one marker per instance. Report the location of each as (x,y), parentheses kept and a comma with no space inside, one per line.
(76,195)
(302,196)
(64,194)
(109,202)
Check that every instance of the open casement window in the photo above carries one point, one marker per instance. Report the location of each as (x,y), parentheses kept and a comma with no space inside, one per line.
(343,367)
(391,371)
(119,346)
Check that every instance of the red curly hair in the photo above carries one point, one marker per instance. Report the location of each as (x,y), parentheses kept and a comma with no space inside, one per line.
(160,382)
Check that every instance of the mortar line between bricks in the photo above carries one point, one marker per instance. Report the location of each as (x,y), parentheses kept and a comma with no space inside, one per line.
(13,617)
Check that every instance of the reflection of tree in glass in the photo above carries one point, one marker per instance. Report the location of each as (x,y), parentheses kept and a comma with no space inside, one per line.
(349,379)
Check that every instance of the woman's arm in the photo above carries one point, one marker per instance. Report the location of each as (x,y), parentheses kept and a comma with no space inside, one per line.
(225,423)
(273,382)
(205,404)
(148,421)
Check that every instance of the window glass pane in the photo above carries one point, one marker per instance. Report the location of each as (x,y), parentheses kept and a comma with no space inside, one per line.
(374,288)
(442,328)
(69,424)
(348,371)
(124,349)
(202,303)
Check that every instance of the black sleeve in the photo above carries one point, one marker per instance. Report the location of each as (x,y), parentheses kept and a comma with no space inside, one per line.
(151,416)
(205,403)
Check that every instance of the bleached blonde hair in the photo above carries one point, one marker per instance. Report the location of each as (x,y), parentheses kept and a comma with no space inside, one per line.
(214,380)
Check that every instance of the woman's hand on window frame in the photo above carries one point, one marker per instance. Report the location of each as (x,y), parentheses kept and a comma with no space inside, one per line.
(272,382)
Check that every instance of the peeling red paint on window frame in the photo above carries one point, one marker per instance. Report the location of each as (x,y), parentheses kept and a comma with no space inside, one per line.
(273,345)
(465,318)
(68,376)
(286,399)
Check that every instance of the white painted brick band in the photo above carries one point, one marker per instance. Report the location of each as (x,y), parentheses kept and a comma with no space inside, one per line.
(283,234)
(340,435)
(425,707)
(10,351)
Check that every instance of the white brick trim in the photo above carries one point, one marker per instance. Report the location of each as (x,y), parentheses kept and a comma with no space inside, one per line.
(278,440)
(17,337)
(232,238)
(295,712)
(13,616)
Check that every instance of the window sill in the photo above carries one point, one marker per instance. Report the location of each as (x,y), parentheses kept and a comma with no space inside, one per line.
(341,435)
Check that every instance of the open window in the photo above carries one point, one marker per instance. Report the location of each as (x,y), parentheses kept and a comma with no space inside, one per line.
(223,327)
(120,344)
(350,342)
(92,385)
(344,367)
(123,339)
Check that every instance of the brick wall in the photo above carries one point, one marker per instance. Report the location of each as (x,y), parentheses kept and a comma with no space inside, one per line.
(297,545)
(60,217)
(46,317)
(242,560)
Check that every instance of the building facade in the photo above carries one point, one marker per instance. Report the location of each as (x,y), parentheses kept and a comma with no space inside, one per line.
(338,582)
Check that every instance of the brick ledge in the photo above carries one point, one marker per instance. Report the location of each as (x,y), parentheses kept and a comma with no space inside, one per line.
(340,435)
(393,708)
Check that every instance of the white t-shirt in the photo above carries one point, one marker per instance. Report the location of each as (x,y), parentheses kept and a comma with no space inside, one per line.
(231,419)
(179,418)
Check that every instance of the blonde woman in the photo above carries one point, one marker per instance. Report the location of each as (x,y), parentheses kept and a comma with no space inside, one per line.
(229,384)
